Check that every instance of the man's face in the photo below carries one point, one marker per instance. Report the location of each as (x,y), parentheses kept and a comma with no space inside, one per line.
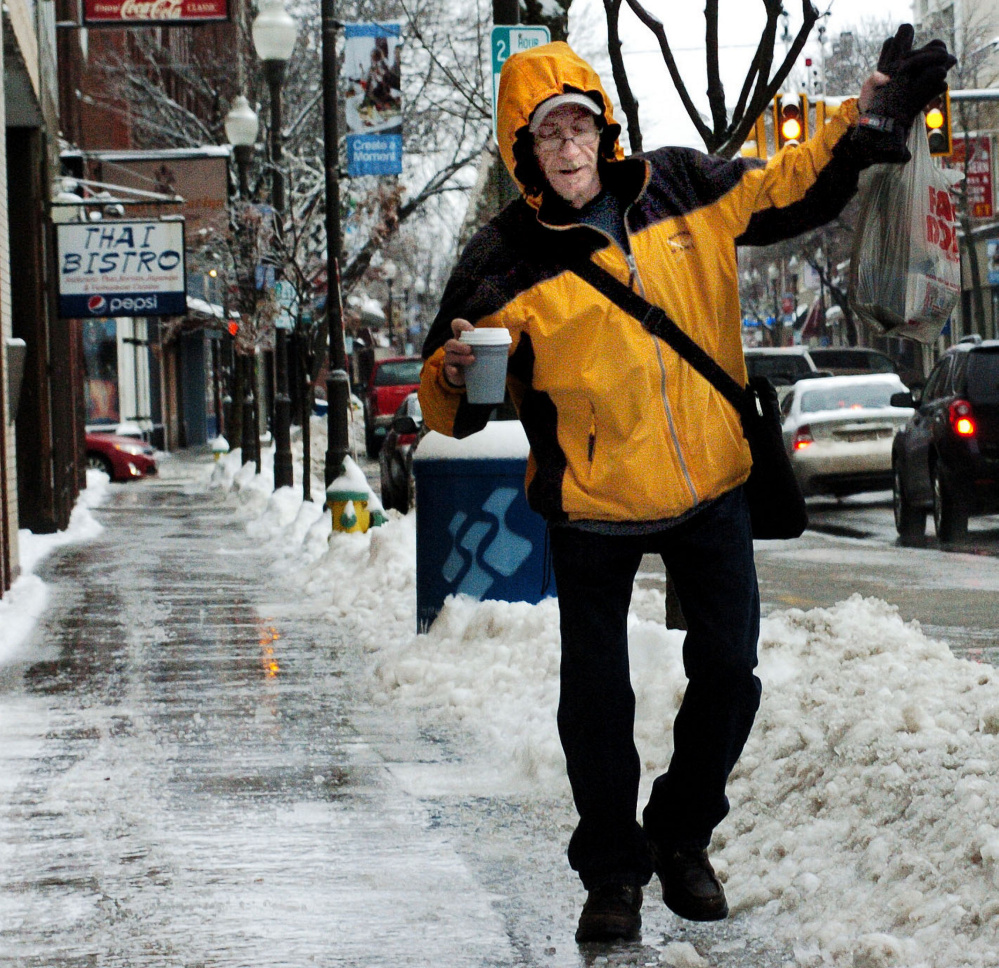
(570,166)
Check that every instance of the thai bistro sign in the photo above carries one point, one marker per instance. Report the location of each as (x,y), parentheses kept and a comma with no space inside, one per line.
(121,268)
(141,13)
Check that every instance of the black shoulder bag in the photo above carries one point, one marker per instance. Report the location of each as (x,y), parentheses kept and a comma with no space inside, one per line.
(776,505)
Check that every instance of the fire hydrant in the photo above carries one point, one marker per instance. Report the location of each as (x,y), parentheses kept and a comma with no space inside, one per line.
(220,447)
(351,501)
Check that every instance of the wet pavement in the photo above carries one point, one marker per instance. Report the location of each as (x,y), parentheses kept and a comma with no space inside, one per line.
(192,773)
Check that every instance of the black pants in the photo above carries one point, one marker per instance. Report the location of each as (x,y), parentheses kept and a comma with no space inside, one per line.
(710,560)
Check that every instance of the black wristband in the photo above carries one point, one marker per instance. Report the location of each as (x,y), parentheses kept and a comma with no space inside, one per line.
(878,122)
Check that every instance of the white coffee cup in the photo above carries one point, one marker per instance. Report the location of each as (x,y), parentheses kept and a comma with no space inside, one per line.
(485,379)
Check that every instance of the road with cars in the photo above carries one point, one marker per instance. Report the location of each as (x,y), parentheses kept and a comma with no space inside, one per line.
(851,547)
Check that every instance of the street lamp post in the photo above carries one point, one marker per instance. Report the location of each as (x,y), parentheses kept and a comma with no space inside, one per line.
(241,127)
(337,381)
(773,274)
(407,285)
(419,288)
(820,258)
(274,33)
(389,273)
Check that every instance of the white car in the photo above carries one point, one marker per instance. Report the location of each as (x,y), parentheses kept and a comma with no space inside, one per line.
(839,430)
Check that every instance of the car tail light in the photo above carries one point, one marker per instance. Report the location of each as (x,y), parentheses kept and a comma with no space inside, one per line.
(962,419)
(803,437)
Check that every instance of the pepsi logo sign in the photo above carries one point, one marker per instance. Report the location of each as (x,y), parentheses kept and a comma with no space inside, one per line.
(96,304)
(133,303)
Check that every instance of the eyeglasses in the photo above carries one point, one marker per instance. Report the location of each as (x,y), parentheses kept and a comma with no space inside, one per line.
(582,135)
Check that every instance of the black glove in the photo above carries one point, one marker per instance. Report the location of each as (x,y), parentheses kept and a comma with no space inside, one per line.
(916,77)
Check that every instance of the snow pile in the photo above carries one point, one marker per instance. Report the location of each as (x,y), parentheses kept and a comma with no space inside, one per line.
(864,827)
(24,603)
(865,804)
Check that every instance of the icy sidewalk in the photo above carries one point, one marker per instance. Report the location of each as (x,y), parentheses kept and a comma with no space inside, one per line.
(862,831)
(182,783)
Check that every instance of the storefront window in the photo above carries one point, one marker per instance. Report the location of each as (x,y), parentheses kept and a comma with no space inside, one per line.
(100,354)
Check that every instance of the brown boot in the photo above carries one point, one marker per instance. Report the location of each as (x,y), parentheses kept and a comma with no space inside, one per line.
(611,913)
(691,888)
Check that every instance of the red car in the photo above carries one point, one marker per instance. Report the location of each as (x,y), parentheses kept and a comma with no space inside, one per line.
(391,381)
(121,458)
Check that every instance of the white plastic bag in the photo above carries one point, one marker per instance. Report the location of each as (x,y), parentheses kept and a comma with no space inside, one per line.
(905,272)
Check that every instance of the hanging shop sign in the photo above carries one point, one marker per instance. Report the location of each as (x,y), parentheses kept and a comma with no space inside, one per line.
(141,13)
(126,268)
(373,99)
(973,157)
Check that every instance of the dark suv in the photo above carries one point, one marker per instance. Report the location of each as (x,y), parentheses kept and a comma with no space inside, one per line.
(946,458)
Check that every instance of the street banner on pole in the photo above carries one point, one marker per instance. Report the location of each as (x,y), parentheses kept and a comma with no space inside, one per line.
(121,268)
(507,40)
(142,13)
(373,99)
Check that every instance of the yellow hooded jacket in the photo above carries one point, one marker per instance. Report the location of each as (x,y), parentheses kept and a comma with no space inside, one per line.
(621,429)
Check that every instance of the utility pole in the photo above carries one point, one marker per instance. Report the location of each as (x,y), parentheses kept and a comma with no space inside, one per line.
(505,12)
(337,381)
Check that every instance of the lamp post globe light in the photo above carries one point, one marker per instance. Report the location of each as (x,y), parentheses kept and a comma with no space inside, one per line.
(274,34)
(241,127)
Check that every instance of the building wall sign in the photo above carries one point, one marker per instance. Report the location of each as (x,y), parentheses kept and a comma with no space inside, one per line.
(124,13)
(121,268)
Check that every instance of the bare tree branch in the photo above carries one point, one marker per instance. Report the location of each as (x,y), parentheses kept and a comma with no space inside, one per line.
(629,105)
(655,25)
(716,90)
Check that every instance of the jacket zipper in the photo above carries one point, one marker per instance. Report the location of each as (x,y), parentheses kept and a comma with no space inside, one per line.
(591,443)
(635,282)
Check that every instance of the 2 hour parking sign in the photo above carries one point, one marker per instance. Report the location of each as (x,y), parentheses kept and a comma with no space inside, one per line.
(121,268)
(507,40)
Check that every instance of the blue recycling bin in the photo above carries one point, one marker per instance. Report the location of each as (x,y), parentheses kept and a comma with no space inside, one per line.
(475,534)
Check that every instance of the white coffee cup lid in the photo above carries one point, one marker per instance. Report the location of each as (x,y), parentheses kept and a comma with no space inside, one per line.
(487,336)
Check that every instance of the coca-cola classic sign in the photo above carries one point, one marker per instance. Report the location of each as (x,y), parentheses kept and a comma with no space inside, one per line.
(124,12)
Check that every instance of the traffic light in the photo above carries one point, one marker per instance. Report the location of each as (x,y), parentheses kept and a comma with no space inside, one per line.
(790,119)
(937,120)
(233,327)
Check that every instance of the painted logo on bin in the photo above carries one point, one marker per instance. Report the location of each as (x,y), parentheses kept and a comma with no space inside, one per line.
(484,548)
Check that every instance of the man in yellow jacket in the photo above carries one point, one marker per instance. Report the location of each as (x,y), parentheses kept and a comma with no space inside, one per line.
(632,451)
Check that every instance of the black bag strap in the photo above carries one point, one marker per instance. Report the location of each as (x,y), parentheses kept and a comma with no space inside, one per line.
(659,324)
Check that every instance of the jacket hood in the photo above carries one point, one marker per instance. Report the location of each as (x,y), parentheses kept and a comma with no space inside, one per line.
(533,76)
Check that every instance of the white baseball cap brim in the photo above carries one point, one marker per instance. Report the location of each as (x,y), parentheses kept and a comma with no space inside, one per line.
(546,107)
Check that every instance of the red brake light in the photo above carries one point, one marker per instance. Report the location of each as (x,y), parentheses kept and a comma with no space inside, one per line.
(803,437)
(962,419)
